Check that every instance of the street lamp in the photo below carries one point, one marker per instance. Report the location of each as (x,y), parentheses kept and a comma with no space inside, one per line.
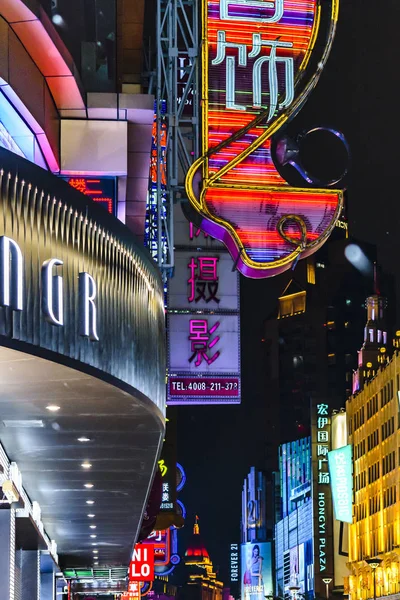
(327,581)
(374,564)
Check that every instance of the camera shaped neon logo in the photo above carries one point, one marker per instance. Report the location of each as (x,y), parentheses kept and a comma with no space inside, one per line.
(260,60)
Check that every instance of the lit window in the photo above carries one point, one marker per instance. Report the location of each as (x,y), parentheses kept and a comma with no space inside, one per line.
(385,337)
(371,335)
(291,305)
(332,359)
(379,336)
(310,273)
(348,302)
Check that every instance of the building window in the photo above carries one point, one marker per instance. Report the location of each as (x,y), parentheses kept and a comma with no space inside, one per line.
(310,273)
(291,305)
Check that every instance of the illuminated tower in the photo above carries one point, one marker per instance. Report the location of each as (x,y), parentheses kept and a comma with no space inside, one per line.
(202,581)
(374,352)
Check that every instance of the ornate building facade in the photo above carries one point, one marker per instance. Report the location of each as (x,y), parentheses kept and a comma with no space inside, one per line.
(202,581)
(373,415)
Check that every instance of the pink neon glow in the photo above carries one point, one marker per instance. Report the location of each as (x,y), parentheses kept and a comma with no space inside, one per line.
(201,342)
(203,274)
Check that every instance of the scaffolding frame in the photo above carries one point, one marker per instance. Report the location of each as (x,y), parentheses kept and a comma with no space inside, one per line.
(177,111)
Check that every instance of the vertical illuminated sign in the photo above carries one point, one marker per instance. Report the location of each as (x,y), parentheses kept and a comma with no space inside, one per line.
(341,472)
(261,58)
(203,320)
(323,523)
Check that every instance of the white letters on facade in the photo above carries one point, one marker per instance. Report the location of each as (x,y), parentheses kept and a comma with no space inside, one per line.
(87,307)
(52,295)
(52,301)
(277,5)
(273,59)
(11,274)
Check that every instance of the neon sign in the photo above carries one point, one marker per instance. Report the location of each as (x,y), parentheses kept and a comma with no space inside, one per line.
(261,58)
(101,191)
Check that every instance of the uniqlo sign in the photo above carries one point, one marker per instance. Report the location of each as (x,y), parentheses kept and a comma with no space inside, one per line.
(142,563)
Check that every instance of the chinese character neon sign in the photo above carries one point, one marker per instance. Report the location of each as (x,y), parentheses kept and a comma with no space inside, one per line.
(203,342)
(101,191)
(261,58)
(203,274)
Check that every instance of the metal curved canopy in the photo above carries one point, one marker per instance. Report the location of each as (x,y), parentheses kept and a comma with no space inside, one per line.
(124,432)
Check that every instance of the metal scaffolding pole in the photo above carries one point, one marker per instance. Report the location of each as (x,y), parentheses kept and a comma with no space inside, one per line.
(177,117)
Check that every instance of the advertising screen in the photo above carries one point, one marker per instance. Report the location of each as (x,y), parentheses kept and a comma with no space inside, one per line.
(340,468)
(256,570)
(100,189)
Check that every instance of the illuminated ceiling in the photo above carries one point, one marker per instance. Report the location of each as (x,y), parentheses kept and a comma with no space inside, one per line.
(99,446)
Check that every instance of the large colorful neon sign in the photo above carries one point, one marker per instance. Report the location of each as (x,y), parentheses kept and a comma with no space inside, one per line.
(261,58)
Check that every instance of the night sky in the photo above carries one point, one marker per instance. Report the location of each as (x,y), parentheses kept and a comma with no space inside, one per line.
(356,94)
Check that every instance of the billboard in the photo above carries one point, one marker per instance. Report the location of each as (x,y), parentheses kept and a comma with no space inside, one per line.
(204,280)
(341,472)
(256,570)
(253,82)
(203,320)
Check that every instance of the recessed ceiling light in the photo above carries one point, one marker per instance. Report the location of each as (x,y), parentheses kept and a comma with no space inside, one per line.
(86,465)
(95,544)
(53,407)
(89,501)
(83,439)
(91,516)
(96,563)
(88,485)
(92,526)
(95,551)
(93,536)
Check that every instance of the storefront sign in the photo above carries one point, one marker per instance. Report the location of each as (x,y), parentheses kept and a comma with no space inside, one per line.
(234,563)
(141,567)
(260,60)
(12,289)
(160,540)
(341,472)
(204,358)
(203,320)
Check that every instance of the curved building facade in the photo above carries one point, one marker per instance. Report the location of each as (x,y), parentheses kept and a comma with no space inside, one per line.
(82,333)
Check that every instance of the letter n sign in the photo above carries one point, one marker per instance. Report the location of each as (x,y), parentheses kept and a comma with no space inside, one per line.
(142,564)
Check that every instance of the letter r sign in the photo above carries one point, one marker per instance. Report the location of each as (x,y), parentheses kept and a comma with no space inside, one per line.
(142,563)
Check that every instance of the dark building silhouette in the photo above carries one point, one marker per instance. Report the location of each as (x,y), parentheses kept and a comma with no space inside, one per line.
(312,338)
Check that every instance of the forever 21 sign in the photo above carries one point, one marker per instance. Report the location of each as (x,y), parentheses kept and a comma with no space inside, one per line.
(52,305)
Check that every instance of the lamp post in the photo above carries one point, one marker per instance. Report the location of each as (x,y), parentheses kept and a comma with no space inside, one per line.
(374,564)
(327,581)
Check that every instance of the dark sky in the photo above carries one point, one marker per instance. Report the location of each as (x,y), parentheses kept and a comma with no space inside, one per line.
(356,95)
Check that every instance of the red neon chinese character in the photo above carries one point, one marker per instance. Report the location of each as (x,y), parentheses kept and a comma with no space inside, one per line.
(203,273)
(195,232)
(79,184)
(201,342)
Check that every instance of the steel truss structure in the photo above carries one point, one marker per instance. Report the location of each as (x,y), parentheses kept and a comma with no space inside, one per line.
(176,137)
